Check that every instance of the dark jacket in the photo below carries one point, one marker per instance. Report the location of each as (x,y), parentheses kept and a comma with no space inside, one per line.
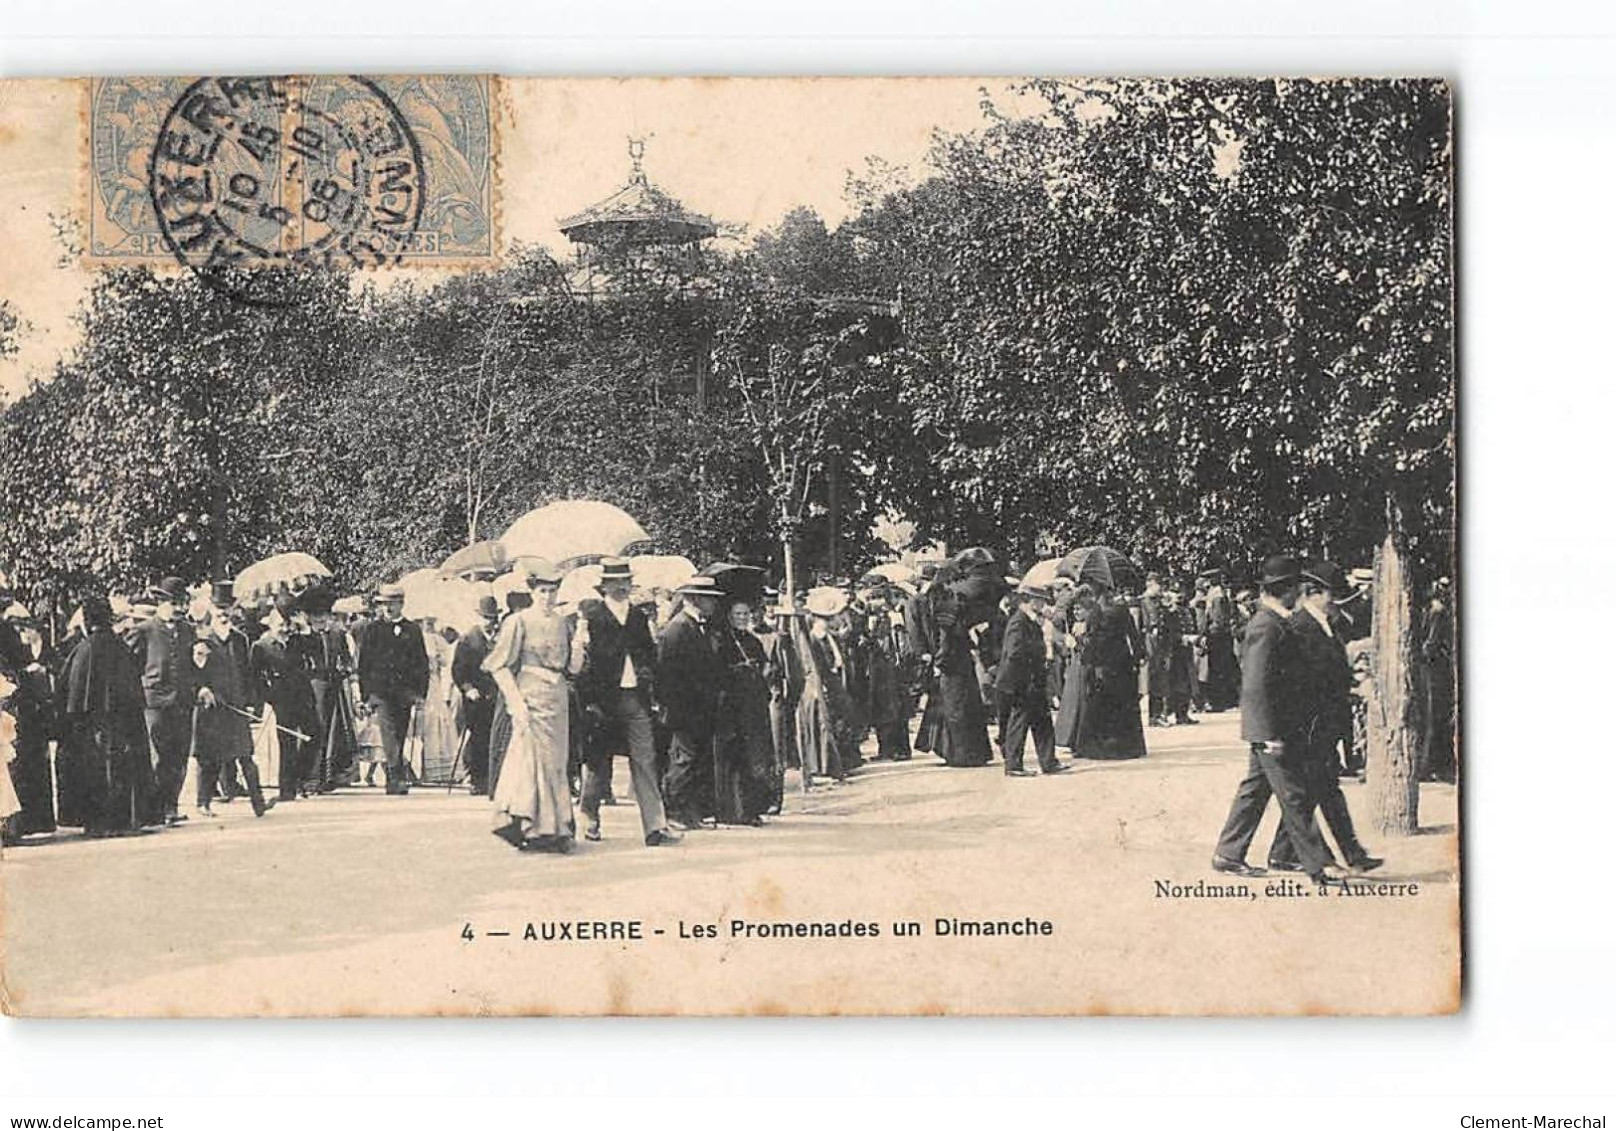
(392,661)
(1270,683)
(324,654)
(220,732)
(692,674)
(1326,678)
(164,654)
(466,669)
(609,643)
(1022,669)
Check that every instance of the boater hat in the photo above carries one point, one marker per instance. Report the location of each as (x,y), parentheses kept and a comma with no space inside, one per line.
(700,586)
(390,592)
(615,569)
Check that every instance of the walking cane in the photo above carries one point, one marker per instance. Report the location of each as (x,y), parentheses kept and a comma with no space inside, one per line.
(460,750)
(250,717)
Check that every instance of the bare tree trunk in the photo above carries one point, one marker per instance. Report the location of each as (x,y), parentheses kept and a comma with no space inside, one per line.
(1391,775)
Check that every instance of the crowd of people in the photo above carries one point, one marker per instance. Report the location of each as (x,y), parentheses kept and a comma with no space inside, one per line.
(710,690)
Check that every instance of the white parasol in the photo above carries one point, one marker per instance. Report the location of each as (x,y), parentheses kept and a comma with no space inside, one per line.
(282,573)
(573,532)
(661,571)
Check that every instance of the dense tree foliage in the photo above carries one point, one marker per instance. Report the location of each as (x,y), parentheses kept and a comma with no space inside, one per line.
(1197,320)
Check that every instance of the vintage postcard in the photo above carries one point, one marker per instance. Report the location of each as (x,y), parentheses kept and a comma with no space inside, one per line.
(492,546)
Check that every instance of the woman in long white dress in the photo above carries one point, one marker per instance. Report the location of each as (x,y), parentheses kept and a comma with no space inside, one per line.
(439,739)
(531,661)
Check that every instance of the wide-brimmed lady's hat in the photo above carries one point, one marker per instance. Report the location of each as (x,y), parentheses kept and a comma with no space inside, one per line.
(538,572)
(827,601)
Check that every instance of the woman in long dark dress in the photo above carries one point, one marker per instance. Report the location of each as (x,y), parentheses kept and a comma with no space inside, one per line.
(1071,697)
(748,784)
(1109,725)
(963,736)
(32,707)
(825,737)
(103,765)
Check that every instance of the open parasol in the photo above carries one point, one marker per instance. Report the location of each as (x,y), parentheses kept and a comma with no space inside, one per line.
(448,600)
(1099,565)
(897,571)
(579,585)
(478,561)
(573,532)
(1043,573)
(282,573)
(661,571)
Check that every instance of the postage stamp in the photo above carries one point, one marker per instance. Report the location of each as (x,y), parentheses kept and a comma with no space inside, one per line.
(327,170)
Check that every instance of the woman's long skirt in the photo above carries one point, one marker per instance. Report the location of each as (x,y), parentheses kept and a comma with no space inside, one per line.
(1071,706)
(963,740)
(1110,726)
(532,789)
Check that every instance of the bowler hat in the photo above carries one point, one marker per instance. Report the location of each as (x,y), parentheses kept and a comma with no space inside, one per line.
(1281,568)
(487,606)
(1330,576)
(171,587)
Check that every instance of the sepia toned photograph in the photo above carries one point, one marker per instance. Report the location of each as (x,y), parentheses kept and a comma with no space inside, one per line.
(482,546)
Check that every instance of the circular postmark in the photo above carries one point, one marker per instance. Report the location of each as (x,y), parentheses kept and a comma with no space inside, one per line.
(251,172)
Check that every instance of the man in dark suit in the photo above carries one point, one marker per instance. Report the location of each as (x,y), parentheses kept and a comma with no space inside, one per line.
(1272,696)
(1326,714)
(162,647)
(393,677)
(1218,630)
(691,680)
(1022,684)
(615,688)
(323,649)
(478,693)
(226,625)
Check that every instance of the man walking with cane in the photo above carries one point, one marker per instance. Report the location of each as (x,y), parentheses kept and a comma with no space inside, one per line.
(162,645)
(478,693)
(615,688)
(393,676)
